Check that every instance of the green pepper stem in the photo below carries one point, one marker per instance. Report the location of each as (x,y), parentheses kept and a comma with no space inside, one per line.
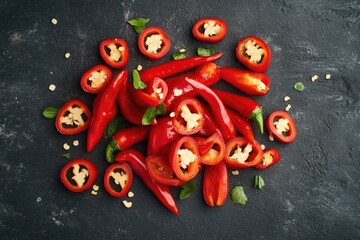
(256,115)
(111,150)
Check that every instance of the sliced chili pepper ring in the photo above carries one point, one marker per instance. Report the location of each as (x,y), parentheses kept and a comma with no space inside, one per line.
(209,30)
(212,149)
(95,79)
(118,179)
(270,157)
(281,126)
(115,52)
(154,43)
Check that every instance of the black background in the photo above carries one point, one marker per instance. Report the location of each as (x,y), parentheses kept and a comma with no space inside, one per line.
(312,193)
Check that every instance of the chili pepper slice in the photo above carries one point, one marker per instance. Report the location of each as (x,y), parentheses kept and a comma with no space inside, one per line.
(209,30)
(254,53)
(154,43)
(118,179)
(270,157)
(184,158)
(242,125)
(209,127)
(104,109)
(115,52)
(160,170)
(152,96)
(73,117)
(124,139)
(282,126)
(249,82)
(78,175)
(188,116)
(95,79)
(215,184)
(240,153)
(137,162)
(212,149)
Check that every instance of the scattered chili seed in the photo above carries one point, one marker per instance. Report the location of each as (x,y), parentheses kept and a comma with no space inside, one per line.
(286,98)
(139,67)
(67,55)
(66,146)
(314,78)
(327,76)
(52,87)
(172,114)
(288,107)
(76,143)
(262,147)
(271,137)
(54,21)
(182,50)
(95,187)
(235,172)
(94,192)
(127,204)
(130,194)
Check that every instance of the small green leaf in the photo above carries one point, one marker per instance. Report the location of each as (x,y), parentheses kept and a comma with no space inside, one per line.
(259,182)
(50,112)
(66,155)
(179,55)
(149,116)
(187,189)
(138,84)
(112,126)
(139,24)
(205,51)
(238,195)
(161,109)
(299,86)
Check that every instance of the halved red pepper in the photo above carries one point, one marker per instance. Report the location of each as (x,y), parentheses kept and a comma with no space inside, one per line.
(212,149)
(242,125)
(160,170)
(95,79)
(240,153)
(249,82)
(154,43)
(270,157)
(78,175)
(281,126)
(215,184)
(254,53)
(184,158)
(209,30)
(152,96)
(118,179)
(115,52)
(73,117)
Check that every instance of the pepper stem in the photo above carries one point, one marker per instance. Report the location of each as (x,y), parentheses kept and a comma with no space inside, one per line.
(111,150)
(256,115)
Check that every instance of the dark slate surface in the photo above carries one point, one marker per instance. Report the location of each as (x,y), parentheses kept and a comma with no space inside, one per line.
(313,193)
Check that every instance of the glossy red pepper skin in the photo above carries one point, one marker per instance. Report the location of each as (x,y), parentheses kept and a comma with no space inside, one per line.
(256,66)
(170,68)
(111,184)
(242,125)
(210,126)
(221,115)
(215,184)
(71,129)
(124,139)
(105,50)
(198,30)
(290,136)
(98,71)
(104,109)
(165,46)
(245,106)
(249,82)
(211,149)
(149,97)
(270,157)
(82,166)
(137,162)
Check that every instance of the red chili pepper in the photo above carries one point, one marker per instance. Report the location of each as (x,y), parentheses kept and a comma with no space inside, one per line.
(248,82)
(95,79)
(115,52)
(184,158)
(254,53)
(245,106)
(170,68)
(242,125)
(152,96)
(212,149)
(160,170)
(240,153)
(215,184)
(78,175)
(73,117)
(118,179)
(209,127)
(154,43)
(104,109)
(221,115)
(270,157)
(209,30)
(137,162)
(282,126)
(124,139)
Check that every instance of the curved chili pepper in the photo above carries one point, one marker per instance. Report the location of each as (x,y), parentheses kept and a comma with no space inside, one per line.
(215,184)
(137,162)
(211,149)
(270,157)
(170,68)
(221,115)
(249,82)
(210,30)
(152,96)
(104,109)
(247,107)
(242,125)
(125,138)
(95,79)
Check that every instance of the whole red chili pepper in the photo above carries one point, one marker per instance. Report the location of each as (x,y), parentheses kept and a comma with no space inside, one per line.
(209,127)
(104,109)
(137,162)
(221,115)
(215,184)
(247,107)
(242,125)
(125,138)
(176,66)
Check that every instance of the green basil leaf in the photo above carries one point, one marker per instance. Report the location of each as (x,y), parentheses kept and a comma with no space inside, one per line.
(161,109)
(50,112)
(238,195)
(139,30)
(138,84)
(149,116)
(139,24)
(259,182)
(112,126)
(67,155)
(187,189)
(179,55)
(299,86)
(205,51)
